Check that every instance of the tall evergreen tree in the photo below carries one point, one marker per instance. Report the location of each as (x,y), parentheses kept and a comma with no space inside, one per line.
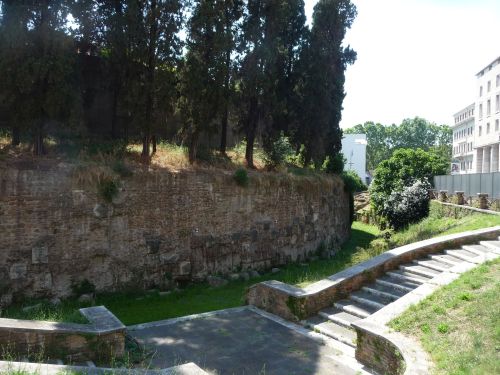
(324,64)
(205,76)
(36,65)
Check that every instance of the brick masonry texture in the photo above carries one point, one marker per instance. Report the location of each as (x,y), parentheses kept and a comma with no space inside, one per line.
(56,230)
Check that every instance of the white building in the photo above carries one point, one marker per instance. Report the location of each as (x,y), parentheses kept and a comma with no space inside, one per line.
(354,150)
(476,128)
(463,141)
(487,134)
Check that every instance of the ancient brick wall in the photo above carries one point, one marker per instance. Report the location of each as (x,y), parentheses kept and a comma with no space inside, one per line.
(56,230)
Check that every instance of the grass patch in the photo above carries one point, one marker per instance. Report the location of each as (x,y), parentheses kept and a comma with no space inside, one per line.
(67,311)
(459,325)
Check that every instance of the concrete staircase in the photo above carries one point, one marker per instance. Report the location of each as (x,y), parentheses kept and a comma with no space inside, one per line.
(335,322)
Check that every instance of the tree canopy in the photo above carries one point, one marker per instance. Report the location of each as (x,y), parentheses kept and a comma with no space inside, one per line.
(186,71)
(414,133)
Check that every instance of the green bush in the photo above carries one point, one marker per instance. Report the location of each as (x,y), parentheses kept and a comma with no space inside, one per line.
(108,189)
(241,177)
(407,206)
(353,182)
(403,168)
(278,152)
(335,164)
(83,287)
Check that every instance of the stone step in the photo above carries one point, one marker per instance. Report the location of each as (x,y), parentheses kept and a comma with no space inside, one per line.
(406,276)
(370,299)
(355,308)
(432,264)
(494,246)
(421,271)
(332,330)
(397,283)
(338,316)
(383,290)
(477,249)
(462,254)
(448,259)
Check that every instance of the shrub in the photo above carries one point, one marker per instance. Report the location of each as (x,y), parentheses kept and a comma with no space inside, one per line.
(408,205)
(353,182)
(83,287)
(403,168)
(241,177)
(108,189)
(334,164)
(277,152)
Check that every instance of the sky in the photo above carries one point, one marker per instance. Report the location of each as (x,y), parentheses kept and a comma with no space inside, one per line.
(417,58)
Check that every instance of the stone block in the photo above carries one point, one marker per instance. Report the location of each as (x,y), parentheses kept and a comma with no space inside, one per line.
(184,268)
(40,255)
(18,271)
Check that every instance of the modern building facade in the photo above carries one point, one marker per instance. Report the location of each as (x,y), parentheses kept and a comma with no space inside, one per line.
(354,150)
(487,134)
(463,141)
(476,128)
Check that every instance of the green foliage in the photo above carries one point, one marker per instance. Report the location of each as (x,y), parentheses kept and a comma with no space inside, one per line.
(353,182)
(407,206)
(108,189)
(403,168)
(83,287)
(279,151)
(241,177)
(334,164)
(411,133)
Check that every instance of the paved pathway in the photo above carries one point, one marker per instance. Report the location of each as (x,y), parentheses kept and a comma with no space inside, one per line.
(242,342)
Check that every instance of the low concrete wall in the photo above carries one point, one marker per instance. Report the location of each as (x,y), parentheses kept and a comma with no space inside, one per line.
(296,304)
(456,209)
(99,341)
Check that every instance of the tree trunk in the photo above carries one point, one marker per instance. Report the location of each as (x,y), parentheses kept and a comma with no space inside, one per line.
(114,114)
(225,115)
(38,148)
(145,146)
(193,147)
(153,142)
(249,148)
(252,121)
(16,136)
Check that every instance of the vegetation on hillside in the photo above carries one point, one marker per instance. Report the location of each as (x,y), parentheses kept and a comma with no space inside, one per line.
(459,324)
(93,71)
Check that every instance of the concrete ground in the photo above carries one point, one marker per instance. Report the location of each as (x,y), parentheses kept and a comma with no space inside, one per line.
(241,342)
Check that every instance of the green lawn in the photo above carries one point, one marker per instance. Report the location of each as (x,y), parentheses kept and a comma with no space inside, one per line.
(459,325)
(133,308)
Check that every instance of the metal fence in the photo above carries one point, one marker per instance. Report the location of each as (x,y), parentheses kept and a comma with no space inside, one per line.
(471,184)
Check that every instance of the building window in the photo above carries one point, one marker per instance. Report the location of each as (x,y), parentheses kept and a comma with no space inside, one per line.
(498,80)
(481,111)
(488,128)
(489,86)
(480,130)
(488,107)
(496,125)
(480,90)
(497,103)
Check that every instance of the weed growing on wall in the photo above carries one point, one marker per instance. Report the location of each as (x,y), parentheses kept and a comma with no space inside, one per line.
(241,177)
(108,189)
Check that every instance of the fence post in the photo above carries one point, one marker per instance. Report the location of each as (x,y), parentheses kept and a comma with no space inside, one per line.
(443,195)
(483,201)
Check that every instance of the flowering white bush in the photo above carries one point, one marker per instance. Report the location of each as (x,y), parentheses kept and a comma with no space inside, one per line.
(407,206)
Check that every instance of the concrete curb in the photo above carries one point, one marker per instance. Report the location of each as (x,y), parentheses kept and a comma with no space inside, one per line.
(46,369)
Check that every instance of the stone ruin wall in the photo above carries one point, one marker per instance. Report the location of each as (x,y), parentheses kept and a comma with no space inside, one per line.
(162,226)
